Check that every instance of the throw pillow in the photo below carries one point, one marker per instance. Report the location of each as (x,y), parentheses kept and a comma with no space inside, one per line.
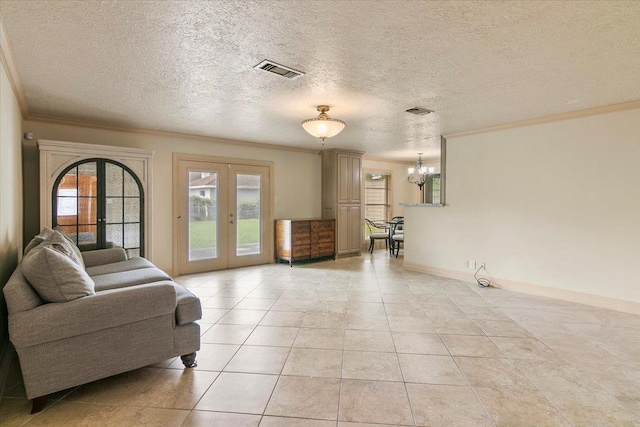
(54,275)
(61,245)
(44,235)
(77,255)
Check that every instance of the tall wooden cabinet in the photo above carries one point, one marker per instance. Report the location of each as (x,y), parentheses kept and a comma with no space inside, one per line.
(342,197)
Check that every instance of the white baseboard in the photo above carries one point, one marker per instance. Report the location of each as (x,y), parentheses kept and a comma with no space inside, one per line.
(533,289)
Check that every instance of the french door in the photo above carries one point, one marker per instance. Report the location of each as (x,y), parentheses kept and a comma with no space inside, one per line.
(223,215)
(98,203)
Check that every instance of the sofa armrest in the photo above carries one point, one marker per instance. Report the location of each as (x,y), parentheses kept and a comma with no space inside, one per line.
(103,256)
(107,309)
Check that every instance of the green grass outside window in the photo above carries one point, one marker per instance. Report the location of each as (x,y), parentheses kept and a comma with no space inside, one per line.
(202,234)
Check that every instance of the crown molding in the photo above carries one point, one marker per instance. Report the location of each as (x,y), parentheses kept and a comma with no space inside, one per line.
(612,108)
(83,148)
(529,122)
(7,59)
(166,134)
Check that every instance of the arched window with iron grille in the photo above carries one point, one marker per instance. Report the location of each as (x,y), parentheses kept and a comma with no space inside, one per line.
(99,204)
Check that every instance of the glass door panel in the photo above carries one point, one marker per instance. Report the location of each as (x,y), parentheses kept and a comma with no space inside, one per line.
(122,209)
(132,205)
(132,236)
(202,236)
(248,208)
(113,235)
(132,209)
(247,226)
(203,215)
(76,209)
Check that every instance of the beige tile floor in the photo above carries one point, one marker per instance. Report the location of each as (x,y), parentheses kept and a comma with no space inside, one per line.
(362,342)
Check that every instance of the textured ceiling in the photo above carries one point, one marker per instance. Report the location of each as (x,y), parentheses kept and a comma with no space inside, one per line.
(186,66)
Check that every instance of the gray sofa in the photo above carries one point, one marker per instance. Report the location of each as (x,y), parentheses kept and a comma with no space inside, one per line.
(134,316)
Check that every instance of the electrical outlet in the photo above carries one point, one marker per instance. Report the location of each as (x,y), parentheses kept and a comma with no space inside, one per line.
(470,264)
(466,264)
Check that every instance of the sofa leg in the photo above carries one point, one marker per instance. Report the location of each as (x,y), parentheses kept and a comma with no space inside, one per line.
(189,360)
(38,403)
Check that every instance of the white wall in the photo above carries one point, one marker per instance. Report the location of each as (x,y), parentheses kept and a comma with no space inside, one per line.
(554,205)
(10,194)
(297,175)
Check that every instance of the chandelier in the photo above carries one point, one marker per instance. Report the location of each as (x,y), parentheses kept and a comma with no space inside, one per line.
(323,126)
(420,174)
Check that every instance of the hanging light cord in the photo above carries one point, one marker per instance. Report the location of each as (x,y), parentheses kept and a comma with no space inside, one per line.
(482,281)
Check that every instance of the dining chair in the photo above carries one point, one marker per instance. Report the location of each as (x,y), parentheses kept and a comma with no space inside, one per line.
(376,235)
(396,224)
(397,240)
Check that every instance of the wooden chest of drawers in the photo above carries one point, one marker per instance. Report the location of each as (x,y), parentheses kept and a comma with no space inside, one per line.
(299,239)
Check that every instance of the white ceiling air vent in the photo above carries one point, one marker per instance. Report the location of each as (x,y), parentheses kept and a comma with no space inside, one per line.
(281,70)
(419,111)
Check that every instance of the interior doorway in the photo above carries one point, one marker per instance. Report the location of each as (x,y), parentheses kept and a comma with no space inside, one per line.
(222,213)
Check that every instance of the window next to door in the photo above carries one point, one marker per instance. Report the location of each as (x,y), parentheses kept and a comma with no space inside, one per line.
(376,198)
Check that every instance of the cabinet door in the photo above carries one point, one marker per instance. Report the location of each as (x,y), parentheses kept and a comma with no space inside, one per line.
(349,178)
(342,232)
(349,233)
(344,178)
(355,229)
(355,178)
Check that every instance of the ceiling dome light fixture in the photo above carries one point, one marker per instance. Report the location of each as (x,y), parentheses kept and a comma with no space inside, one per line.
(420,174)
(323,126)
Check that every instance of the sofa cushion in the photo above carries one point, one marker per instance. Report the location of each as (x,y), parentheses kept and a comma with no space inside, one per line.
(54,275)
(129,278)
(103,256)
(117,267)
(188,308)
